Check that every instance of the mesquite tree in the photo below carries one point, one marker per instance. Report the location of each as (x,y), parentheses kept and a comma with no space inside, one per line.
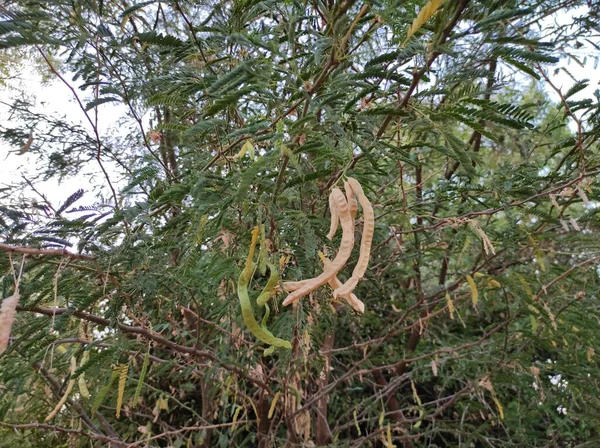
(239,118)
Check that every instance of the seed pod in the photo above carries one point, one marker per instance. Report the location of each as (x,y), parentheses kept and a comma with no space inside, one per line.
(335,284)
(343,253)
(335,218)
(346,288)
(262,333)
(292,286)
(351,199)
(269,289)
(365,242)
(8,311)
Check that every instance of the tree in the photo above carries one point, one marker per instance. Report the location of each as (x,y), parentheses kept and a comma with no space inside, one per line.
(480,327)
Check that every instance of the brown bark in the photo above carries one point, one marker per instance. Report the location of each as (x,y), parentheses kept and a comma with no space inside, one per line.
(264,422)
(323,433)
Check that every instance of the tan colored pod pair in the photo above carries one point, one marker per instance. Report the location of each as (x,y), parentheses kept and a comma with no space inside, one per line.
(343,211)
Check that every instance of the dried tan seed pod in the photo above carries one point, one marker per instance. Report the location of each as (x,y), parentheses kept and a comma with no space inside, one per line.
(365,242)
(8,311)
(346,288)
(351,199)
(335,283)
(341,257)
(335,218)
(293,286)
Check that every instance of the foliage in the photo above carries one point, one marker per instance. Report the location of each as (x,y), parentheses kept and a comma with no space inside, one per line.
(481,315)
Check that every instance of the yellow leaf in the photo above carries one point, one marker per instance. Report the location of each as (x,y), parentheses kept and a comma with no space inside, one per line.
(273,404)
(533,308)
(283,260)
(201,227)
(123,369)
(356,423)
(83,390)
(494,284)
(247,147)
(539,256)
(235,417)
(451,308)
(396,309)
(389,437)
(526,286)
(424,15)
(461,320)
(474,293)
(499,406)
(415,395)
(250,149)
(478,275)
(533,322)
(590,353)
(26,146)
(551,316)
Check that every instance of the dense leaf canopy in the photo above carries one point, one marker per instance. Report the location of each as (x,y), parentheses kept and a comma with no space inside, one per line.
(481,295)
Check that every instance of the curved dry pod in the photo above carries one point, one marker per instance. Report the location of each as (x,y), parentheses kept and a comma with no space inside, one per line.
(352,205)
(341,257)
(335,284)
(335,218)
(293,286)
(365,242)
(345,288)
(8,311)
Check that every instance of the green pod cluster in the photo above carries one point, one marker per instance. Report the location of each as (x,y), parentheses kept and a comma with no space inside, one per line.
(260,331)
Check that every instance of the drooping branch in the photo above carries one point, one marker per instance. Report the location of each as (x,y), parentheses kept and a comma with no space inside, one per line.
(147,334)
(48,252)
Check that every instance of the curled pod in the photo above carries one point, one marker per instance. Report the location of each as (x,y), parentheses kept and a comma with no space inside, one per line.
(8,311)
(248,315)
(351,199)
(365,242)
(260,332)
(342,255)
(335,218)
(269,289)
(345,288)
(292,286)
(335,284)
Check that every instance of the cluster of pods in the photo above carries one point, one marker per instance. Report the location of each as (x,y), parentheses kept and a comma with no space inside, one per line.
(343,212)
